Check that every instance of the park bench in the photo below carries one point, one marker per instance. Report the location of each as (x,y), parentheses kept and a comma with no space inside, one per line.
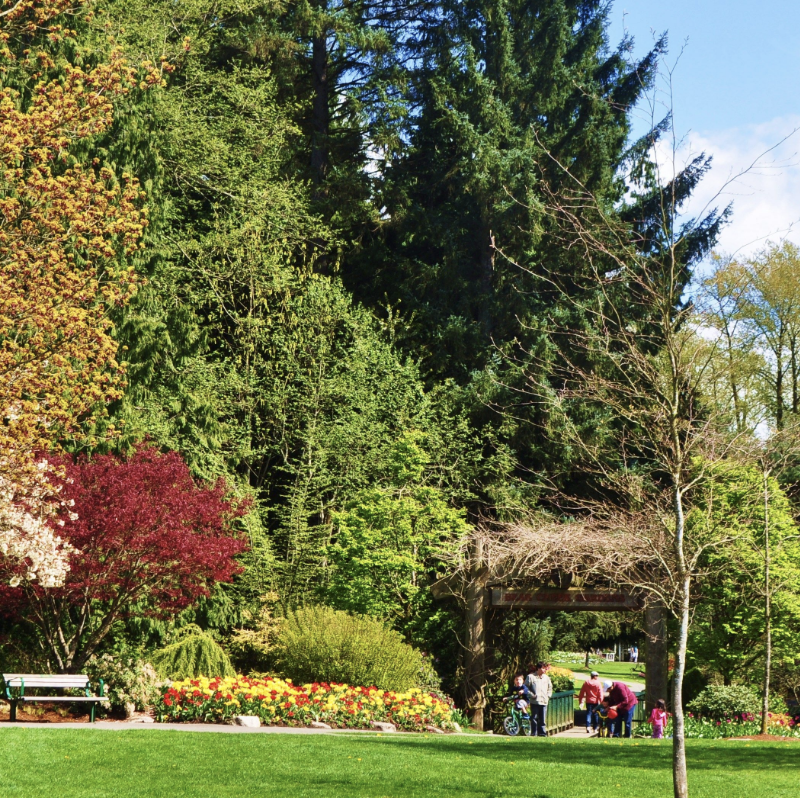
(15,685)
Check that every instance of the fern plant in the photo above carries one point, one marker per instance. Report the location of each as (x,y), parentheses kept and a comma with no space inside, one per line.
(193,654)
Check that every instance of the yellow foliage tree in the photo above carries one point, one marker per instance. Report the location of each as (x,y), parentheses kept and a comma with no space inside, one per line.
(65,229)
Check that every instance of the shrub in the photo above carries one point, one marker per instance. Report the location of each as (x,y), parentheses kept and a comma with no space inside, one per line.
(318,644)
(251,646)
(562,679)
(720,702)
(777,705)
(127,680)
(193,654)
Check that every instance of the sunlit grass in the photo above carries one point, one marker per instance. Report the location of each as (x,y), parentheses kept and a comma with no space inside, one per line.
(153,763)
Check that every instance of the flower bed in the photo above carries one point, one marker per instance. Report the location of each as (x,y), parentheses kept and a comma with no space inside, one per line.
(744,725)
(576,658)
(279,702)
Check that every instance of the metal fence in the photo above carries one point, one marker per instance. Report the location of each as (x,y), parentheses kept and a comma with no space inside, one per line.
(561,711)
(640,712)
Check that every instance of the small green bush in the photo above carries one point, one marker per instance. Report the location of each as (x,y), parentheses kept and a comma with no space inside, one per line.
(193,654)
(720,702)
(562,679)
(126,679)
(777,705)
(319,644)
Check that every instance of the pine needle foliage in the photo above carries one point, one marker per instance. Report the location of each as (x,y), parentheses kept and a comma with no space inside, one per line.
(193,654)
(317,643)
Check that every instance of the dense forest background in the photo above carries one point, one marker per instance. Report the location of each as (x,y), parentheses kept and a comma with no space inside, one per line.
(339,196)
(346,290)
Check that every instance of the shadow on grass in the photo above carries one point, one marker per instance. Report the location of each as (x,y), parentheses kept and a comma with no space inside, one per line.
(716,755)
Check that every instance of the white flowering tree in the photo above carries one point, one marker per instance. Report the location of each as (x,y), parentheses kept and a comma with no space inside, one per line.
(30,547)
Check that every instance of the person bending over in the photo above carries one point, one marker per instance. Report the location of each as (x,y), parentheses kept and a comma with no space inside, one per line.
(623,701)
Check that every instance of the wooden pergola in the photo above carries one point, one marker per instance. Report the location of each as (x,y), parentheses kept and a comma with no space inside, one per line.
(545,564)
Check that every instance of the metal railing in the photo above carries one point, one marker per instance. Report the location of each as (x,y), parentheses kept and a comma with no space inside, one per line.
(561,711)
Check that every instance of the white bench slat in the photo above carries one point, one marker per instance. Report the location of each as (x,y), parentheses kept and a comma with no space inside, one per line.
(39,680)
(45,676)
(66,698)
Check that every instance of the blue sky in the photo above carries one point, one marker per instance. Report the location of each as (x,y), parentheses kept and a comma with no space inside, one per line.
(736,93)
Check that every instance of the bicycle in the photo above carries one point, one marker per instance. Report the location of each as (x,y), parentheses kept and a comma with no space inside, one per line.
(517,722)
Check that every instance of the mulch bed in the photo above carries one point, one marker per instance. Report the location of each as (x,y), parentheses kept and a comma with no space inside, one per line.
(49,713)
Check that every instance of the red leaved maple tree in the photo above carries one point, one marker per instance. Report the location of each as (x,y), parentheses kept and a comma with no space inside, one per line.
(148,540)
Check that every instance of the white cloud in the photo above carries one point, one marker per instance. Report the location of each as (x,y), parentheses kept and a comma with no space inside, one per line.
(766,198)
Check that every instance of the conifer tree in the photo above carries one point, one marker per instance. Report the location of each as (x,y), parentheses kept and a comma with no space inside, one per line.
(500,88)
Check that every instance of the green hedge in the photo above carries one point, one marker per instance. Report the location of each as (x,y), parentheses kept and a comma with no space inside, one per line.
(319,644)
(719,702)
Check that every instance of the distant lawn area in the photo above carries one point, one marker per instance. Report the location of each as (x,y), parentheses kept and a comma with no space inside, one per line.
(622,671)
(70,763)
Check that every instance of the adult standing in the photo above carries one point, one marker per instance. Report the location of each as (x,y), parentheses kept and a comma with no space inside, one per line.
(621,698)
(539,683)
(592,693)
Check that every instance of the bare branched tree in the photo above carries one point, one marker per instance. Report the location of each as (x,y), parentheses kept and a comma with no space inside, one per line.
(770,455)
(634,361)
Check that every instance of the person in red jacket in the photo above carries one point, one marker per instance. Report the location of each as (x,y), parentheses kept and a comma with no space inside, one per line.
(592,693)
(621,698)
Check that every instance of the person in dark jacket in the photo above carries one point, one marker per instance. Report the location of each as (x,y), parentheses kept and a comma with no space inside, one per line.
(621,698)
(520,695)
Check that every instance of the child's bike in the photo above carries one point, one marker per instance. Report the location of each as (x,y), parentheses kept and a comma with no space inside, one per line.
(517,722)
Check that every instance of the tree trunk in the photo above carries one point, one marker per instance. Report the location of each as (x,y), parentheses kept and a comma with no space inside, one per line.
(487,255)
(767,610)
(475,659)
(680,780)
(657,670)
(779,393)
(320,114)
(320,127)
(586,661)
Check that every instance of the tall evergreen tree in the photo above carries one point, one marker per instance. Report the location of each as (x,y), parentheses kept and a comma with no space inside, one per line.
(500,87)
(342,67)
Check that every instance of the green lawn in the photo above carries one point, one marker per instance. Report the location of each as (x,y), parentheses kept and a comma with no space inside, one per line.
(155,764)
(621,671)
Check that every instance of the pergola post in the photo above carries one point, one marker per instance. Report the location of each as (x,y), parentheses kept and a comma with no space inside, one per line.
(475,655)
(657,670)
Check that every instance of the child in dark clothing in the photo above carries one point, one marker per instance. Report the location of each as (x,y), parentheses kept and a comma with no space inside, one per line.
(520,694)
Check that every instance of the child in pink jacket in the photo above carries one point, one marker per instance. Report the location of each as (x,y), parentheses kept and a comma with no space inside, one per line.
(658,718)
